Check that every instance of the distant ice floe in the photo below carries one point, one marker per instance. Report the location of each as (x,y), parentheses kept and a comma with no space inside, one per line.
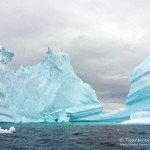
(10,130)
(142,117)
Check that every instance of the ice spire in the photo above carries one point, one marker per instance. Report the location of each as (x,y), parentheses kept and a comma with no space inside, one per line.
(49,50)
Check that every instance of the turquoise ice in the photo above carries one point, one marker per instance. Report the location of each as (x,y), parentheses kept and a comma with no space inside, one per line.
(46,92)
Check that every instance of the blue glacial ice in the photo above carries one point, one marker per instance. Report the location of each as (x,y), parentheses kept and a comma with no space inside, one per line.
(47,92)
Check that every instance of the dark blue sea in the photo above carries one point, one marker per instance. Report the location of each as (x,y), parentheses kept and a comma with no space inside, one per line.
(75,136)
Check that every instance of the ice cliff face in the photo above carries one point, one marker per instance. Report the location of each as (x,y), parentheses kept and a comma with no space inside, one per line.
(142,117)
(48,91)
(6,85)
(140,85)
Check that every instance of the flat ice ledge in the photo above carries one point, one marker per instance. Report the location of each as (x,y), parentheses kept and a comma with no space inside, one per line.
(83,110)
(142,117)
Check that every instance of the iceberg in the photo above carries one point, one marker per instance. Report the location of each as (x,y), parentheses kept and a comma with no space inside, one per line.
(47,92)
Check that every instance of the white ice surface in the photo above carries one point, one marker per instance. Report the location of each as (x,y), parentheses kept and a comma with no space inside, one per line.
(139,118)
(10,130)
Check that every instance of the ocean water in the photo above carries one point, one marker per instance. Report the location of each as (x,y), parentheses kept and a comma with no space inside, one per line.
(75,136)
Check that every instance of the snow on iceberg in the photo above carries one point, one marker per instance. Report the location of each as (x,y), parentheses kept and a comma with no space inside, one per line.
(139,118)
(49,91)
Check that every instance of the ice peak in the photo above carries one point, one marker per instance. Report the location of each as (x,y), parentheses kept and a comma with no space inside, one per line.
(8,54)
(1,47)
(56,57)
(49,51)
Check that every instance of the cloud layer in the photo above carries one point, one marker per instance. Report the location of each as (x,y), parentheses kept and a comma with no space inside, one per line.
(105,39)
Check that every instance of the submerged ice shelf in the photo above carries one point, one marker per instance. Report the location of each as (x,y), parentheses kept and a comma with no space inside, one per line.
(47,92)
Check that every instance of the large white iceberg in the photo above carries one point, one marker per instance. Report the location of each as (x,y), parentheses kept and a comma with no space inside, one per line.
(49,91)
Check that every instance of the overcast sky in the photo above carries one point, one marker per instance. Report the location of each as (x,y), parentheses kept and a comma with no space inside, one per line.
(106,39)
